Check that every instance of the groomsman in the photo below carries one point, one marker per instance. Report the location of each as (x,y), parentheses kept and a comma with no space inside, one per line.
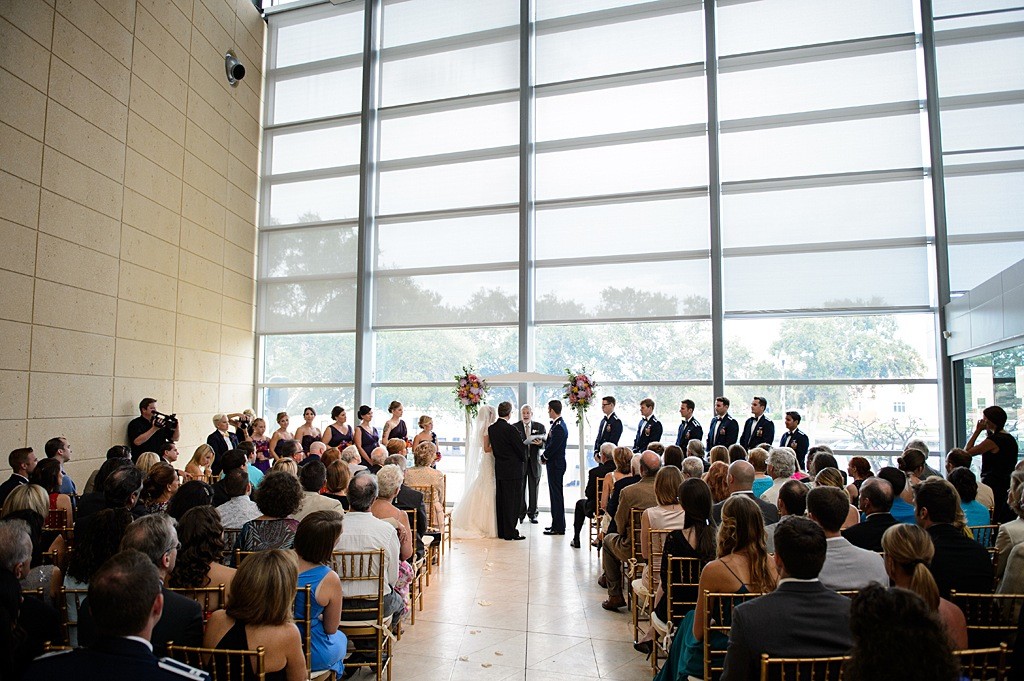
(526,428)
(649,429)
(724,429)
(690,428)
(758,428)
(794,438)
(610,429)
(554,459)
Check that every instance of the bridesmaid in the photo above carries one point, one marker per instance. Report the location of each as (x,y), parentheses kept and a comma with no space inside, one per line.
(262,444)
(367,438)
(307,433)
(338,434)
(395,426)
(281,434)
(426,433)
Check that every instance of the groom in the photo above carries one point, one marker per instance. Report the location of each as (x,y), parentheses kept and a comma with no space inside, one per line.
(554,459)
(509,470)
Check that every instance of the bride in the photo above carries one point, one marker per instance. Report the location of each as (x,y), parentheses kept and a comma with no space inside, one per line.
(475,516)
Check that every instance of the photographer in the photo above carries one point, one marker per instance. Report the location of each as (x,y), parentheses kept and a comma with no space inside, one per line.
(242,423)
(151,429)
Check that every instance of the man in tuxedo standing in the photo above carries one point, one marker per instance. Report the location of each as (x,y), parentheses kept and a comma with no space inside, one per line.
(610,428)
(724,429)
(509,469)
(758,428)
(795,439)
(689,427)
(649,429)
(526,428)
(554,459)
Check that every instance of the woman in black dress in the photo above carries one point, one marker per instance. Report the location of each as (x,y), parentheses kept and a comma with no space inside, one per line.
(307,433)
(338,434)
(998,458)
(395,426)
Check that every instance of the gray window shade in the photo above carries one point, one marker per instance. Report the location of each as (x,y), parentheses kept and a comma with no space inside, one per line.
(294,307)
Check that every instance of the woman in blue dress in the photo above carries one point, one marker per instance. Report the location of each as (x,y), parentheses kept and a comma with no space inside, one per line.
(314,541)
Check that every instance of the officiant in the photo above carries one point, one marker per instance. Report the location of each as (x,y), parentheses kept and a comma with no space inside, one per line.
(533,431)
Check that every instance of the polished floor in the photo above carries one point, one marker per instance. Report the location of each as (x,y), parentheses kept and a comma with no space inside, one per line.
(527,610)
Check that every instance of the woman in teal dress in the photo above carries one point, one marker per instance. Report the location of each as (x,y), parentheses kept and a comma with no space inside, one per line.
(314,541)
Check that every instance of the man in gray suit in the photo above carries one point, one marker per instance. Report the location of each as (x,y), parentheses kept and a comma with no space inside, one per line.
(816,620)
(846,566)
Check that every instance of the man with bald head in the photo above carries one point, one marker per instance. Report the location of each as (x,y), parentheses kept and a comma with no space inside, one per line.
(640,496)
(741,481)
(875,501)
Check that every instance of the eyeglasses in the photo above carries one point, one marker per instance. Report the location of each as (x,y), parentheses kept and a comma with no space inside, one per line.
(176,547)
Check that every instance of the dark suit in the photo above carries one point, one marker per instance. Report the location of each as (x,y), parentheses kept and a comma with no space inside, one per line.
(960,563)
(798,619)
(10,485)
(689,429)
(609,430)
(554,459)
(723,431)
(799,443)
(509,469)
(532,480)
(110,659)
(181,622)
(647,431)
(409,499)
(769,512)
(216,441)
(763,432)
(587,506)
(868,534)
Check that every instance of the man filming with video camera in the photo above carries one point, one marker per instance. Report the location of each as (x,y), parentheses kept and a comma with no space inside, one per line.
(151,429)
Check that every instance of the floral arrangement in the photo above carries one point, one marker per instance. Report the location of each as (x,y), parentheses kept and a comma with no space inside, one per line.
(470,390)
(579,392)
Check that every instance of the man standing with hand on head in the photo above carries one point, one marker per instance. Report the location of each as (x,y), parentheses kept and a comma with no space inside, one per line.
(554,459)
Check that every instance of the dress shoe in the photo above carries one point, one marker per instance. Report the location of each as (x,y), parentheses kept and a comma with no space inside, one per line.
(547,529)
(575,543)
(602,581)
(518,537)
(644,647)
(534,521)
(614,603)
(553,532)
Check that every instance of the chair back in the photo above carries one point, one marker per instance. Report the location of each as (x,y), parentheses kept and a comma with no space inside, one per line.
(241,555)
(983,663)
(991,618)
(985,535)
(849,593)
(223,665)
(70,605)
(657,548)
(428,501)
(598,491)
(362,566)
(802,668)
(635,514)
(210,598)
(302,609)
(718,609)
(681,586)
(56,520)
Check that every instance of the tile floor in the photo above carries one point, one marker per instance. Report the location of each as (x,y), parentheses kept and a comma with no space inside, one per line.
(523,611)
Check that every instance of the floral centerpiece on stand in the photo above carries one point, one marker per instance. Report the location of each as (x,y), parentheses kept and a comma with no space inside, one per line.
(470,391)
(579,393)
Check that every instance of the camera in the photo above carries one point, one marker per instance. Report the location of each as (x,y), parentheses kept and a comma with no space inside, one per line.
(168,421)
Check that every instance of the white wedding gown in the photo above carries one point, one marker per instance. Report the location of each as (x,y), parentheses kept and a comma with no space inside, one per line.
(475,517)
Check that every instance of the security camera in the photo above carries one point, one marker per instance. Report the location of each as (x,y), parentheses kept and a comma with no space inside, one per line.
(233,67)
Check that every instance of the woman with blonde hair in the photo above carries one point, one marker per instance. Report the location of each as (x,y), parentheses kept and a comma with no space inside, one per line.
(424,475)
(198,467)
(908,553)
(426,433)
(717,478)
(259,613)
(1011,533)
(831,477)
(261,443)
(30,503)
(146,461)
(281,434)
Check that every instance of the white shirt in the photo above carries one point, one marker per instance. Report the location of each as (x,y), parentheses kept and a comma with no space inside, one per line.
(141,640)
(238,511)
(227,440)
(364,532)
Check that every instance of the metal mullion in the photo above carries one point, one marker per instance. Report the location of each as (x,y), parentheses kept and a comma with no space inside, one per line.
(309,278)
(314,123)
(415,384)
(448,269)
(624,258)
(619,138)
(714,201)
(415,216)
(314,174)
(615,15)
(828,247)
(985,238)
(626,197)
(977,34)
(805,54)
(983,168)
(696,382)
(981,100)
(306,331)
(830,312)
(448,104)
(491,154)
(827,180)
(990,150)
(292,386)
(527,194)
(831,381)
(622,320)
(316,68)
(847,113)
(591,83)
(440,326)
(302,226)
(490,36)
(987,12)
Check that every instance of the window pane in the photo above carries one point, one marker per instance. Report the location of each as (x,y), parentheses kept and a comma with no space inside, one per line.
(453,73)
(622,168)
(976,204)
(400,355)
(295,400)
(459,185)
(899,276)
(316,96)
(309,358)
(983,128)
(435,243)
(643,106)
(335,198)
(972,264)
(824,214)
(307,306)
(413,21)
(447,298)
(979,67)
(821,148)
(632,45)
(870,346)
(995,378)
(320,250)
(623,228)
(478,127)
(314,149)
(655,289)
(312,39)
(549,9)
(628,351)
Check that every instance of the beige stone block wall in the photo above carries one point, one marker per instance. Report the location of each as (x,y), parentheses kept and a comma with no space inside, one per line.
(128,171)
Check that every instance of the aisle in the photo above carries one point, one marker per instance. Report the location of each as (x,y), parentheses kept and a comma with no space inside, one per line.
(525,611)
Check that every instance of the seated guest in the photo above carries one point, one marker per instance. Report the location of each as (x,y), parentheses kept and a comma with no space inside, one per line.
(792,501)
(966,485)
(290,450)
(620,484)
(667,514)
(587,506)
(115,452)
(919,445)
(622,457)
(168,452)
(693,467)
(389,480)
(312,477)
(160,485)
(828,459)
(780,466)
(278,498)
(1013,574)
(316,452)
(124,628)
(286,465)
(1011,533)
(912,463)
(182,619)
(330,455)
(350,455)
(846,566)
(193,493)
(859,469)
(409,499)
(832,477)
(801,603)
(737,452)
(229,461)
(200,465)
(239,509)
(314,543)
(28,503)
(396,445)
(59,449)
(422,474)
(892,630)
(719,453)
(95,542)
(22,462)
(908,553)
(254,473)
(338,478)
(94,501)
(897,479)
(27,622)
(48,475)
(959,458)
(201,537)
(758,458)
(695,448)
(259,614)
(146,461)
(377,456)
(741,481)
(875,502)
(717,478)
(960,563)
(673,456)
(221,440)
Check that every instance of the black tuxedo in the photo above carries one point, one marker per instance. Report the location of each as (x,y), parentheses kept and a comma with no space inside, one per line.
(723,431)
(532,479)
(764,432)
(110,659)
(181,622)
(609,430)
(799,443)
(769,512)
(10,485)
(960,563)
(587,506)
(409,499)
(216,441)
(647,431)
(509,470)
(868,534)
(689,429)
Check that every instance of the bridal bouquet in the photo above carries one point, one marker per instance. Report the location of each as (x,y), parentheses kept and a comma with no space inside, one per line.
(470,390)
(579,392)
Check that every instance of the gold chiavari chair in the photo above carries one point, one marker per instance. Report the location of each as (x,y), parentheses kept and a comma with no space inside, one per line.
(210,598)
(802,668)
(371,627)
(223,665)
(983,664)
(680,587)
(717,624)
